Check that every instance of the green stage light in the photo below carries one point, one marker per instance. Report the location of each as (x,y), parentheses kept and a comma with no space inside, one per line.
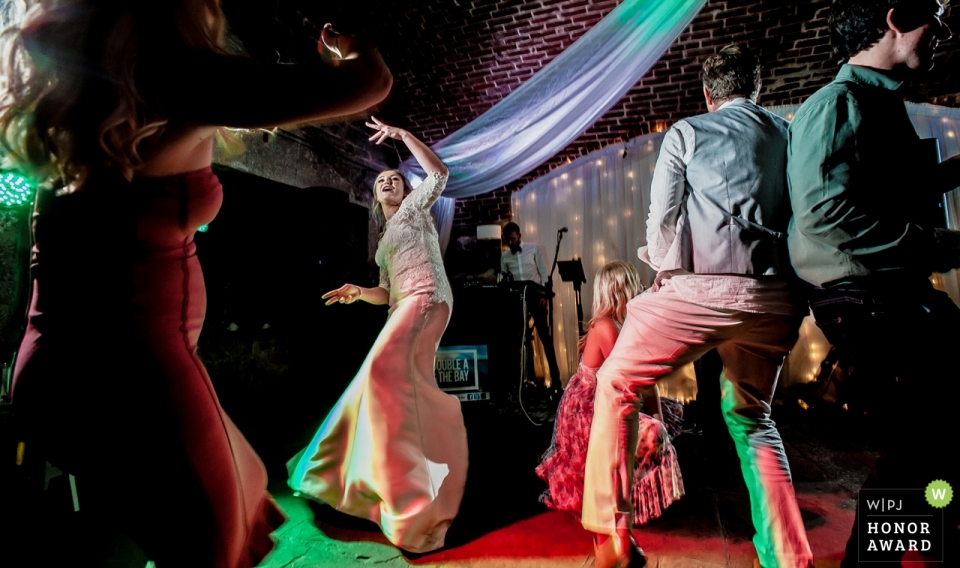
(15,190)
(203,228)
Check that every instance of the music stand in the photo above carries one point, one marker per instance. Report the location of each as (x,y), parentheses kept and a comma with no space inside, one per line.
(572,271)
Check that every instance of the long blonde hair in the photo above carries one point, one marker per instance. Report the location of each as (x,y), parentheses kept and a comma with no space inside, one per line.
(615,284)
(377,209)
(73,97)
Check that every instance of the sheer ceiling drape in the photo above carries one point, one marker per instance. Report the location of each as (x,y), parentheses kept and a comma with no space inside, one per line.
(558,104)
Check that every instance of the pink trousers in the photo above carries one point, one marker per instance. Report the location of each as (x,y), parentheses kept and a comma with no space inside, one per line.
(663,331)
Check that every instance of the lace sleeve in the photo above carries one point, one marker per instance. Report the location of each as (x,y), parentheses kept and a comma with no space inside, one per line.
(384,279)
(429,190)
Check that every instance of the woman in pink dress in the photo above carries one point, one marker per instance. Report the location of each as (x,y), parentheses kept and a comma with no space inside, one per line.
(113,106)
(657,481)
(394,448)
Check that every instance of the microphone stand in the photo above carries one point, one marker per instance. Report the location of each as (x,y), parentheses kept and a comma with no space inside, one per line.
(550,294)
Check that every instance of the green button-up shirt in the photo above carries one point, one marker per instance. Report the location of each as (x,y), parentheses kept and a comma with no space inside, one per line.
(857,172)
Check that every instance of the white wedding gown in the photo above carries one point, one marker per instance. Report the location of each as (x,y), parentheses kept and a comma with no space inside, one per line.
(394,448)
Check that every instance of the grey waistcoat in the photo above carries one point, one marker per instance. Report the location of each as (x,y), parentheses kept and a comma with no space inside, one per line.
(736,208)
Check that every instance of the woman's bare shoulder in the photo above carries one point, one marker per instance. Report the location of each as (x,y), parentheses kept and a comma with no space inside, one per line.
(605,326)
(603,332)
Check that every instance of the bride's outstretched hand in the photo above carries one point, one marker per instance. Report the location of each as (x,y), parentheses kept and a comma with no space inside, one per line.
(346,294)
(426,157)
(384,131)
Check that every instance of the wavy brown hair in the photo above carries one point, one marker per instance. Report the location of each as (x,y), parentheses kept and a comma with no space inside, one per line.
(74,94)
(615,284)
(377,209)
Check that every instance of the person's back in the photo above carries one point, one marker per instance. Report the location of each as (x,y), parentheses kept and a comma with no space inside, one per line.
(657,481)
(735,175)
(864,191)
(840,138)
(113,108)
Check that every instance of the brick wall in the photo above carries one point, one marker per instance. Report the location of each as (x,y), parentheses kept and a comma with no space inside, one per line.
(485,49)
(454,59)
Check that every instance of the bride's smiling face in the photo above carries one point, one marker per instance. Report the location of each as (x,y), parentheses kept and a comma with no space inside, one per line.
(390,188)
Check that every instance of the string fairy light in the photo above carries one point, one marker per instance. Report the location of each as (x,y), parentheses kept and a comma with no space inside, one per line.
(15,190)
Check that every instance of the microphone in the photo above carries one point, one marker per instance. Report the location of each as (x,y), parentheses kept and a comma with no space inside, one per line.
(563,230)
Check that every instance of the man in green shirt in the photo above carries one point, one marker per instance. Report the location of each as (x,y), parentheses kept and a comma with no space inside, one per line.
(864,190)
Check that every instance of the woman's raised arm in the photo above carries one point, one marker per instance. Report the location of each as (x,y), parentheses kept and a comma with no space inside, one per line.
(211,89)
(426,157)
(430,189)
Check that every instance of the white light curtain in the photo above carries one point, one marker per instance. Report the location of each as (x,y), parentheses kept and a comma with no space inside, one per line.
(562,100)
(604,198)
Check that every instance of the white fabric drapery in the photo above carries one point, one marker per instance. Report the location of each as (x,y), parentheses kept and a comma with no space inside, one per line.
(443,210)
(604,198)
(562,100)
(557,104)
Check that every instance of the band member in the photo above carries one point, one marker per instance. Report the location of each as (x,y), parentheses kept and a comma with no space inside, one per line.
(524,261)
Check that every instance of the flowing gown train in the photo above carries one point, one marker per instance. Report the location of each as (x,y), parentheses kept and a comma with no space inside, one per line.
(394,447)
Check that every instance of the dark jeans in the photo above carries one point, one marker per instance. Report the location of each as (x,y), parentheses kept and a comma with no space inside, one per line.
(904,342)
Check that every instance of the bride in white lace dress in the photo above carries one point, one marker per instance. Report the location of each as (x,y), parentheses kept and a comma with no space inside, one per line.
(394,448)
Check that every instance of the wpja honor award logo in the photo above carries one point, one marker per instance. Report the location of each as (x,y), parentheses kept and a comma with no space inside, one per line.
(893,522)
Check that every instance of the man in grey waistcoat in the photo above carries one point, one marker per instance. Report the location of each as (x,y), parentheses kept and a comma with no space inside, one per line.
(716,237)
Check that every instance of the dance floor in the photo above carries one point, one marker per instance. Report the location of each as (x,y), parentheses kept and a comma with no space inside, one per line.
(502,525)
(697,532)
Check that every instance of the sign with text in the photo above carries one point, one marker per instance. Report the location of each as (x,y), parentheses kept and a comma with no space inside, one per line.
(468,396)
(894,522)
(459,367)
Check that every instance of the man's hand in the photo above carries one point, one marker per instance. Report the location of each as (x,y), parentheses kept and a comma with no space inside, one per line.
(947,175)
(658,280)
(946,257)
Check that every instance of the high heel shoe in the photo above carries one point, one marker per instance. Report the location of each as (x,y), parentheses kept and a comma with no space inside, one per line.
(615,553)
